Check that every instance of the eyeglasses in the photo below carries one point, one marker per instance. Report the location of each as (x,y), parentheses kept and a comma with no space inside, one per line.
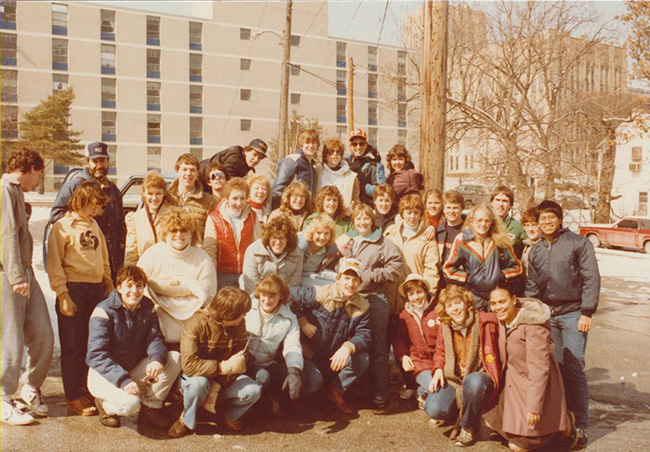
(335,152)
(357,144)
(547,218)
(179,230)
(216,175)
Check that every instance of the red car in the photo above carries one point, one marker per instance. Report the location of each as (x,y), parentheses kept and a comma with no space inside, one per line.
(630,232)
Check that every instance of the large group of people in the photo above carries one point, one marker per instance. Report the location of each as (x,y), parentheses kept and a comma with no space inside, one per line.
(231,290)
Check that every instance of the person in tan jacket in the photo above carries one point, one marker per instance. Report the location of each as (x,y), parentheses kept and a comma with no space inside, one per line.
(80,274)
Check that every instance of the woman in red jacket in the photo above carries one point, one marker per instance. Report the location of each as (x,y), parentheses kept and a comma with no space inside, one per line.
(466,377)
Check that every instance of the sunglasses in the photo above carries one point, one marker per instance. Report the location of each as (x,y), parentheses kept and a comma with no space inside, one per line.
(357,144)
(176,231)
(216,175)
(335,152)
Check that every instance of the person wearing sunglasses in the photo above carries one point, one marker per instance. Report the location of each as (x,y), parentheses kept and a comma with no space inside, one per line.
(366,162)
(216,176)
(337,172)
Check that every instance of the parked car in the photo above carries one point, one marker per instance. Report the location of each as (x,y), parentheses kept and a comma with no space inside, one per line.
(474,194)
(629,233)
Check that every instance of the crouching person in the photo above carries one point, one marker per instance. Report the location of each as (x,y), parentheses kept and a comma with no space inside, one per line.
(129,363)
(213,354)
(336,325)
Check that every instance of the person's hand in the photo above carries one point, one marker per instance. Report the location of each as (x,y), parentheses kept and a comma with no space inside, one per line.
(532,418)
(438,381)
(132,388)
(22,289)
(293,382)
(407,364)
(584,324)
(152,371)
(67,307)
(309,330)
(429,233)
(339,359)
(234,365)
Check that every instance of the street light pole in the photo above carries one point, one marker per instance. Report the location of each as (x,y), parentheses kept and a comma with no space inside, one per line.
(284,83)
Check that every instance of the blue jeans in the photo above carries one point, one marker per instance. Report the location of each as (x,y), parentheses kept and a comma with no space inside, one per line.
(242,394)
(477,388)
(272,377)
(354,368)
(379,349)
(570,346)
(424,380)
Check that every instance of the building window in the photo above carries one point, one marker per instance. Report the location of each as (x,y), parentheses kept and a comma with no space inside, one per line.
(154,159)
(245,125)
(108,25)
(295,41)
(108,59)
(372,136)
(153,128)
(245,64)
(109,126)
(643,203)
(245,34)
(341,82)
(245,94)
(196,67)
(153,63)
(59,82)
(153,31)
(9,90)
(108,93)
(372,58)
(401,62)
(196,130)
(401,137)
(295,69)
(372,86)
(196,99)
(295,98)
(60,54)
(401,114)
(342,133)
(341,53)
(60,167)
(59,19)
(9,115)
(197,152)
(401,88)
(636,164)
(153,96)
(372,112)
(196,36)
(340,110)
(8,48)
(8,15)
(112,159)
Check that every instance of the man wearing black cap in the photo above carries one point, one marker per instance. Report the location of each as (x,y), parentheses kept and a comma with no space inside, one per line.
(111,221)
(237,160)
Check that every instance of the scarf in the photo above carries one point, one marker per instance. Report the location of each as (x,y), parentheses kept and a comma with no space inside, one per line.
(256,205)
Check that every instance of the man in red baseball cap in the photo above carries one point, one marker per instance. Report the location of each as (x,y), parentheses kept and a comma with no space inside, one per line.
(366,162)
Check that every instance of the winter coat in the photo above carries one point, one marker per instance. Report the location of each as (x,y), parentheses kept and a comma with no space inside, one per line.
(279,333)
(295,167)
(260,261)
(485,353)
(220,241)
(564,274)
(205,343)
(142,232)
(339,323)
(343,224)
(298,220)
(326,257)
(533,382)
(111,220)
(480,264)
(344,179)
(370,172)
(445,237)
(199,204)
(406,181)
(417,337)
(232,158)
(517,234)
(119,339)
(17,243)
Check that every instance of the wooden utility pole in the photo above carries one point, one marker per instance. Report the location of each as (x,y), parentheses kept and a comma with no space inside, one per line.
(433,93)
(284,83)
(350,95)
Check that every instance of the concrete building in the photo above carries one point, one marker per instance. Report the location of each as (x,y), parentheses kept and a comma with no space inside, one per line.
(157,85)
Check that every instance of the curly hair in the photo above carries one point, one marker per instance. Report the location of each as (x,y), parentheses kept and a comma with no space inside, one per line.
(529,216)
(329,190)
(497,230)
(332,144)
(130,273)
(86,193)
(24,160)
(261,180)
(411,202)
(452,292)
(367,210)
(273,284)
(322,221)
(230,303)
(297,187)
(177,218)
(236,183)
(281,224)
(397,151)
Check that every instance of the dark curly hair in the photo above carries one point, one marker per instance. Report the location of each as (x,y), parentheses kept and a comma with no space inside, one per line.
(23,160)
(329,190)
(281,224)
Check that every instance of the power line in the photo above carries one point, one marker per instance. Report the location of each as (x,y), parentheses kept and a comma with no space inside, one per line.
(382,21)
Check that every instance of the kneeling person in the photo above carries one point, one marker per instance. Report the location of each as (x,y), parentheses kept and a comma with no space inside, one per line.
(129,363)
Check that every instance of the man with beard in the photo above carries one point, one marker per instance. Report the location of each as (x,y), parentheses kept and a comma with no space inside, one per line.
(111,220)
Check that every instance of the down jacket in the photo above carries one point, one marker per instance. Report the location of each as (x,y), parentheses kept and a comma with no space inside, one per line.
(199,204)
(370,172)
(295,167)
(406,181)
(260,261)
(119,339)
(564,274)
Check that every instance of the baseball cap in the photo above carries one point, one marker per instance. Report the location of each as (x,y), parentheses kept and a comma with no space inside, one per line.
(358,133)
(350,264)
(259,146)
(96,150)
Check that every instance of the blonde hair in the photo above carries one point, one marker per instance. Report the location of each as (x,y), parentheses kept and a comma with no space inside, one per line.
(497,231)
(261,180)
(297,187)
(322,221)
(452,292)
(177,218)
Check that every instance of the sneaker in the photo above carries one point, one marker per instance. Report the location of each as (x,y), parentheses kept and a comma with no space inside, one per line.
(407,394)
(465,437)
(571,433)
(13,415)
(34,400)
(82,406)
(582,438)
(421,401)
(153,417)
(179,428)
(336,397)
(436,422)
(379,401)
(235,426)
(107,420)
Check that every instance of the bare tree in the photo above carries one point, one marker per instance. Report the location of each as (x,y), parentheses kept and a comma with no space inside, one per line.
(638,43)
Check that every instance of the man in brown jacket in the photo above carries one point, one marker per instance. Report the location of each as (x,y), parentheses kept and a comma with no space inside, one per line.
(213,355)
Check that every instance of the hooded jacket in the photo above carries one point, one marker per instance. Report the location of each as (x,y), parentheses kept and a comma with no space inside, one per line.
(344,179)
(295,167)
(564,274)
(260,261)
(406,181)
(370,172)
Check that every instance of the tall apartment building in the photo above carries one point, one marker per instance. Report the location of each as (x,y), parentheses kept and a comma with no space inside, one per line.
(156,85)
